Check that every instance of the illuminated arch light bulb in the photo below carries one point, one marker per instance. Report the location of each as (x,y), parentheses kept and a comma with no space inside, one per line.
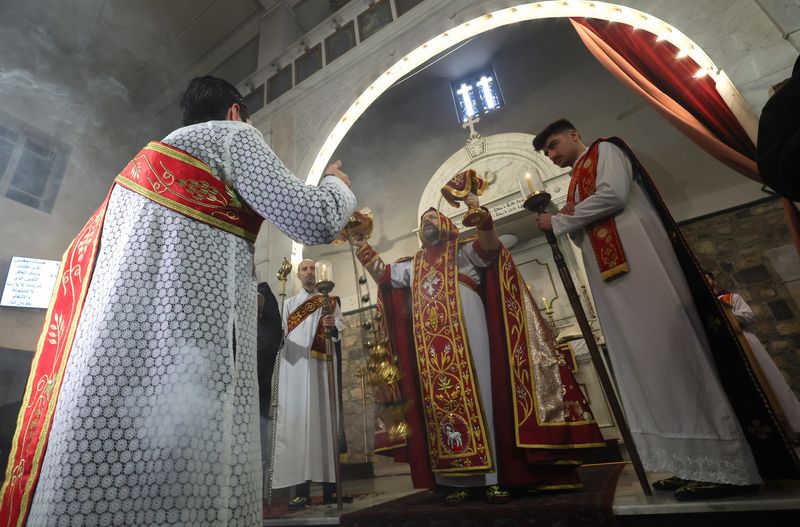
(527,11)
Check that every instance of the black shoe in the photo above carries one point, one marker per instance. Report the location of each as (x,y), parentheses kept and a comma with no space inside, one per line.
(671,484)
(298,503)
(331,498)
(696,490)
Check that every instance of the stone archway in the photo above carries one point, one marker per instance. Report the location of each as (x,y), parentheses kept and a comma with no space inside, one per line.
(524,11)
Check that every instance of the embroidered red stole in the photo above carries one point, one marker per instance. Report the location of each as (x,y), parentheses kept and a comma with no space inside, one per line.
(302,312)
(539,411)
(168,176)
(550,410)
(455,423)
(183,183)
(602,233)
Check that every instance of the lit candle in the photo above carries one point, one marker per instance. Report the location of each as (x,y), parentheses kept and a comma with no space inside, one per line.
(546,305)
(529,180)
(323,271)
(539,182)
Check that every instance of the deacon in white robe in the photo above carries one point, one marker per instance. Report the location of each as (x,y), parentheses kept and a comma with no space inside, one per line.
(157,419)
(303,443)
(783,392)
(680,418)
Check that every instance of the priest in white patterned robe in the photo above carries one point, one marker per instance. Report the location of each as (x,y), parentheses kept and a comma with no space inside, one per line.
(157,418)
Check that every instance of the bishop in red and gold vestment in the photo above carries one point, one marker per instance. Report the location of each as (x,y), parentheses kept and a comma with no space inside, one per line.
(492,402)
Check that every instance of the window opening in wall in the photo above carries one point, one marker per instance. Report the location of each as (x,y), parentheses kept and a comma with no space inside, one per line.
(308,64)
(374,18)
(404,6)
(31,167)
(476,94)
(279,83)
(255,99)
(339,43)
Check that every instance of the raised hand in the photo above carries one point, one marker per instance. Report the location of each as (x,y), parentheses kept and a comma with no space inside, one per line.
(472,200)
(334,169)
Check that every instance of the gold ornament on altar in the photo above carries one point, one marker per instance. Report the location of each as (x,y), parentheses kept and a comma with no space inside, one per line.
(400,430)
(393,417)
(382,372)
(378,351)
(358,228)
(459,187)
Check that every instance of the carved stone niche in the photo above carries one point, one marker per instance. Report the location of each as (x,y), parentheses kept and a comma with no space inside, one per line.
(503,160)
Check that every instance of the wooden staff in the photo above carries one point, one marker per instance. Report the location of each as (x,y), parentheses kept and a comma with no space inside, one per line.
(538,202)
(282,276)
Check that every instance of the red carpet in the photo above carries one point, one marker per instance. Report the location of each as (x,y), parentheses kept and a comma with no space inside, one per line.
(588,507)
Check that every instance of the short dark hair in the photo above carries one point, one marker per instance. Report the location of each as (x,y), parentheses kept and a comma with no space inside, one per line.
(556,127)
(208,99)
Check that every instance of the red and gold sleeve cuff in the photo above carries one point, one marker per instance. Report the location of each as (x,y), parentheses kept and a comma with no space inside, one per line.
(483,253)
(488,223)
(372,263)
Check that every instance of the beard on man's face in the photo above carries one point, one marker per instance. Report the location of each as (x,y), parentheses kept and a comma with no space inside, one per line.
(430,233)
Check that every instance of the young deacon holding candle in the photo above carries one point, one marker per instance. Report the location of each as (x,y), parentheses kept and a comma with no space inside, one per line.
(664,329)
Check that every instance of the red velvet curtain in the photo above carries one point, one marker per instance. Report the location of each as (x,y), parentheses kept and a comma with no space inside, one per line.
(668,83)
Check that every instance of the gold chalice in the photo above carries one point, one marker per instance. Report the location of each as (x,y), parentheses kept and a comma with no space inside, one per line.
(459,187)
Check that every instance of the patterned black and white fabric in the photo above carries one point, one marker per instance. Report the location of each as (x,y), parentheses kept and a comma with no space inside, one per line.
(157,421)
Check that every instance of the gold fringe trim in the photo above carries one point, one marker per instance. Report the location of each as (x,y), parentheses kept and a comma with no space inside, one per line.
(615,272)
(565,447)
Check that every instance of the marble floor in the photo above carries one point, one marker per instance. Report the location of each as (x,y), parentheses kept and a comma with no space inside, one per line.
(392,481)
